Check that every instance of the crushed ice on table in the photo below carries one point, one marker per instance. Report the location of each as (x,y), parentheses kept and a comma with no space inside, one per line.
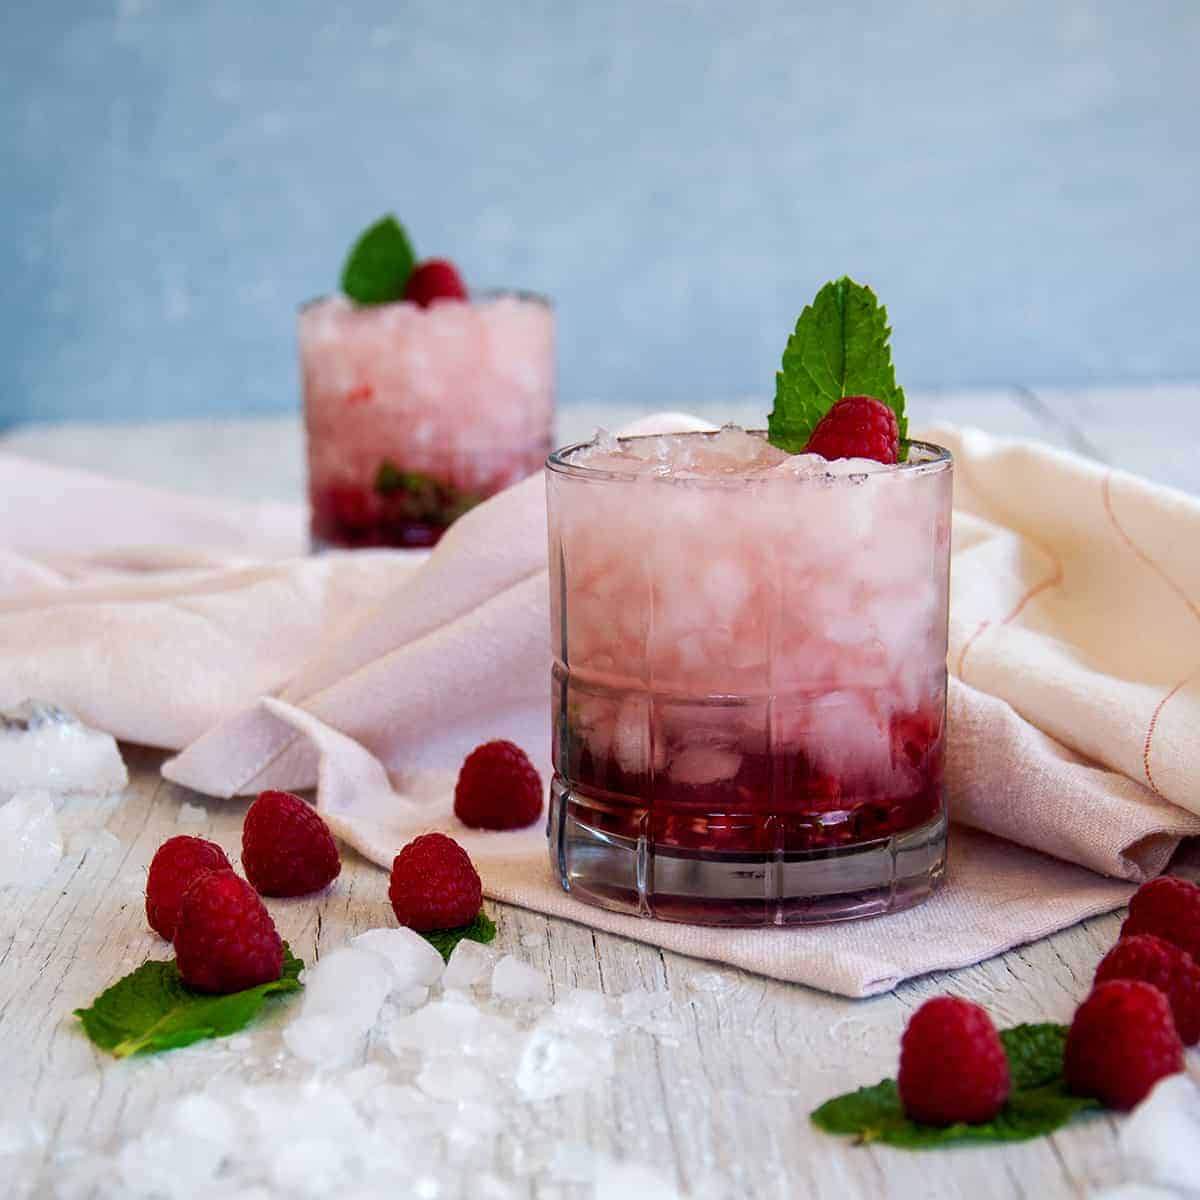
(42,746)
(413,961)
(370,1100)
(513,979)
(31,842)
(469,963)
(1160,1139)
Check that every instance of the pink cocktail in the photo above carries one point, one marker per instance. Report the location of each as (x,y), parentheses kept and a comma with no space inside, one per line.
(415,414)
(749,678)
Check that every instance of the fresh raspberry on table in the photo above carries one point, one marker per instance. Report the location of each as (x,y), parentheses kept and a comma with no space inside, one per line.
(952,1064)
(287,850)
(434,279)
(1173,971)
(1169,908)
(857,427)
(174,865)
(498,788)
(434,885)
(1121,1043)
(225,940)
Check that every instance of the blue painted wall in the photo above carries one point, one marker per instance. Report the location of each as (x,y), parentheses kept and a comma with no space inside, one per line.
(1021,182)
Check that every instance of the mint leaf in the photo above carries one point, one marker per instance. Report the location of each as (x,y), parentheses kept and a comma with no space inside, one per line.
(1034,1053)
(380,263)
(389,478)
(152,1009)
(840,347)
(1039,1102)
(482,929)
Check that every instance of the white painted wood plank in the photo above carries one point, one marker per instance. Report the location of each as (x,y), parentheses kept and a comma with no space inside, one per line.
(725,1107)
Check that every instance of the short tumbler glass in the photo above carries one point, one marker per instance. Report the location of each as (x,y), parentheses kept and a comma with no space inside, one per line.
(749,689)
(414,415)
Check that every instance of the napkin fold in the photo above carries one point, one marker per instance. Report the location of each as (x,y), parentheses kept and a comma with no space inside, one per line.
(1073,755)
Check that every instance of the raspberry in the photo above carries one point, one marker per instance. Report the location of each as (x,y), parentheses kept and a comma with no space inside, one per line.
(1121,1043)
(434,885)
(225,940)
(952,1065)
(434,279)
(1169,908)
(286,848)
(1173,971)
(857,427)
(498,788)
(175,864)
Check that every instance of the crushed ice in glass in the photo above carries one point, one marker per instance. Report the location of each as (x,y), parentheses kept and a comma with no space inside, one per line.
(731,453)
(42,746)
(456,1098)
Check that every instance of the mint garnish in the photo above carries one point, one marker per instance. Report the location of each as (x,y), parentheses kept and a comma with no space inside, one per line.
(380,263)
(1039,1102)
(839,348)
(418,497)
(482,929)
(152,1009)
(390,478)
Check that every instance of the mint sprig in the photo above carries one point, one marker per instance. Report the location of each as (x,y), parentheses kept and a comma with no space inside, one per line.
(840,347)
(152,1009)
(380,263)
(1039,1102)
(482,929)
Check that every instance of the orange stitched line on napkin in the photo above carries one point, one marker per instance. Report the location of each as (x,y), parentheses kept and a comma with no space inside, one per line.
(1106,491)
(1053,580)
(1112,516)
(962,654)
(1150,733)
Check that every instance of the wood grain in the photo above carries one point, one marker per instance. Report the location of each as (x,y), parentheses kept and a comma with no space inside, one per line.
(724,1107)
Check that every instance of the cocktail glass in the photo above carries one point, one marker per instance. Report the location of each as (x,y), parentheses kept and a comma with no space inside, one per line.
(749,678)
(414,415)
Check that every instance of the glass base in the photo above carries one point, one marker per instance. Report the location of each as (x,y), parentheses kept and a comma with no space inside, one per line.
(632,875)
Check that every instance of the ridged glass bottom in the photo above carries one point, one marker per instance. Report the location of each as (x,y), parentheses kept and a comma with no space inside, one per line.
(632,875)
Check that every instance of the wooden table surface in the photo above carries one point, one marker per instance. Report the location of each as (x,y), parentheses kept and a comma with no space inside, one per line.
(723,1107)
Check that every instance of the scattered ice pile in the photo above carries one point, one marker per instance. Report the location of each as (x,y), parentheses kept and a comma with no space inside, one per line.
(31,842)
(398,1077)
(45,755)
(1160,1140)
(42,746)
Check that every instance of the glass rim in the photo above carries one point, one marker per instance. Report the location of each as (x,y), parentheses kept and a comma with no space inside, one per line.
(939,459)
(490,293)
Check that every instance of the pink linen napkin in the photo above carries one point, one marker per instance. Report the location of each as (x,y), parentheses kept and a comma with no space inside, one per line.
(1074,649)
